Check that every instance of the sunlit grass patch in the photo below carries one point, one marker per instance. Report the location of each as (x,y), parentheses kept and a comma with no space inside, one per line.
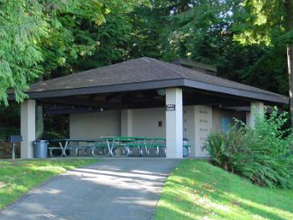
(17,178)
(198,190)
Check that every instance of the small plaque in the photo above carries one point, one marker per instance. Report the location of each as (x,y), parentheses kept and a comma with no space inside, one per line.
(170,107)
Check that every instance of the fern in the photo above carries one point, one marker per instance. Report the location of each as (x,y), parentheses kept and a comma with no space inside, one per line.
(263,154)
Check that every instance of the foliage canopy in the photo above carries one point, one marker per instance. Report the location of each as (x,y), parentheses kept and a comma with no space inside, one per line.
(38,36)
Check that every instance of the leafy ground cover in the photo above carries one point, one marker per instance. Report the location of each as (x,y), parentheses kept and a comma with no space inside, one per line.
(198,190)
(17,178)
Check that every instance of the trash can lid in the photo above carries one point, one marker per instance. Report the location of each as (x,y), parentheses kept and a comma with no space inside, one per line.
(42,141)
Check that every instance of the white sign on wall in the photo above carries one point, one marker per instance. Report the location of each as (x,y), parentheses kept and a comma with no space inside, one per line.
(170,107)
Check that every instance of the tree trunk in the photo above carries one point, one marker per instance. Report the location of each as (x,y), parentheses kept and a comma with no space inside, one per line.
(290,72)
(289,27)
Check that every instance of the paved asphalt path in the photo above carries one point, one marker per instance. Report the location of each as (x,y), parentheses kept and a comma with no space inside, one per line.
(112,189)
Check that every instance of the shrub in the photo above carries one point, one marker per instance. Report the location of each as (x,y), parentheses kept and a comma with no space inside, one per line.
(263,154)
(222,147)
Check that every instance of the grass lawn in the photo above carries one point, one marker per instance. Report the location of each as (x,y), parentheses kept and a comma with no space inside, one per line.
(198,190)
(19,177)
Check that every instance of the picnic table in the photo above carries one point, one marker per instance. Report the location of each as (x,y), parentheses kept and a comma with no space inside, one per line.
(126,143)
(77,145)
(142,144)
(110,145)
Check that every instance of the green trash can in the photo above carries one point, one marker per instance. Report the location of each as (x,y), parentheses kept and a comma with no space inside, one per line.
(41,149)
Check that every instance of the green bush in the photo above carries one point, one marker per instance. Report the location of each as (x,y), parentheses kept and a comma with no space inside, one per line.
(263,154)
(223,147)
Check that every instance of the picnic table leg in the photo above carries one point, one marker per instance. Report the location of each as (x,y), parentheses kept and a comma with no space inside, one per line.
(144,146)
(51,152)
(148,150)
(140,148)
(157,151)
(93,151)
(126,150)
(64,148)
(76,151)
(110,147)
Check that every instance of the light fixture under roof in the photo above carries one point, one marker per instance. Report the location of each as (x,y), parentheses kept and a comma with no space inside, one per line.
(161,92)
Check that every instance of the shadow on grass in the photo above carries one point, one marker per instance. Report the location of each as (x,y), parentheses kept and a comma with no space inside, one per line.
(197,189)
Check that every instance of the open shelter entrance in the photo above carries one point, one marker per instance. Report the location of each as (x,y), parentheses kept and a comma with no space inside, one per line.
(145,98)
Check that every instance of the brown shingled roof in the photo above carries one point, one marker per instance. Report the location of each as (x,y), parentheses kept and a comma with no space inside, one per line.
(145,73)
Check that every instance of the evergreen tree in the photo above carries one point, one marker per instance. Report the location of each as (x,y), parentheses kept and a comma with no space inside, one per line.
(40,35)
(269,23)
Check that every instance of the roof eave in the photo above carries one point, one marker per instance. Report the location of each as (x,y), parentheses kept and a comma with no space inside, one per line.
(106,89)
(156,85)
(237,92)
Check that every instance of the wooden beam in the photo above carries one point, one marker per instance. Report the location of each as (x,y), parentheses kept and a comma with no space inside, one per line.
(84,103)
(68,111)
